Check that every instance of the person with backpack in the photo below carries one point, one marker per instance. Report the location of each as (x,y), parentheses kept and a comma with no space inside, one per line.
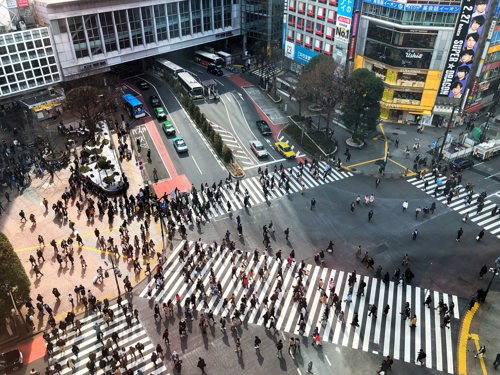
(421,357)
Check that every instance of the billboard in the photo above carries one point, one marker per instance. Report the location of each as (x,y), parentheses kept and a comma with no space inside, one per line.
(23,3)
(415,7)
(465,40)
(303,55)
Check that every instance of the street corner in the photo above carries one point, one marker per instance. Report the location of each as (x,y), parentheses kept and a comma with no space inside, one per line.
(168,186)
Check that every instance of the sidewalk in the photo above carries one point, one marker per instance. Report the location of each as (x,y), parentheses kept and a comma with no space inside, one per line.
(368,159)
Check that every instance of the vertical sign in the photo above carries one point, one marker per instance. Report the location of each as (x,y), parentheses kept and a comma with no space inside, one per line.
(467,34)
(343,28)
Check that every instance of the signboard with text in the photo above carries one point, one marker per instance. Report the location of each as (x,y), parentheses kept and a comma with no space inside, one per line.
(415,7)
(23,3)
(462,54)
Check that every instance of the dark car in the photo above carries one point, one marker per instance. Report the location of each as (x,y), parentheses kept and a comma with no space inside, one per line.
(212,69)
(143,85)
(460,164)
(10,361)
(155,101)
(263,127)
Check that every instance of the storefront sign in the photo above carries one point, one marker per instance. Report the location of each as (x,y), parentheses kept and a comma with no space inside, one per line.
(464,43)
(45,106)
(23,3)
(303,55)
(413,54)
(415,7)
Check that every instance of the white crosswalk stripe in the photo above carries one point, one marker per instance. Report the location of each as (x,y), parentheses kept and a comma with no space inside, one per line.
(387,335)
(482,218)
(268,72)
(256,194)
(87,343)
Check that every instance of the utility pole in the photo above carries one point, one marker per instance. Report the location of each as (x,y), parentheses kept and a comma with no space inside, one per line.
(440,155)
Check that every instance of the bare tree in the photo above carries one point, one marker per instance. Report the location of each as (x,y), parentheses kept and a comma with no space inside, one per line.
(92,99)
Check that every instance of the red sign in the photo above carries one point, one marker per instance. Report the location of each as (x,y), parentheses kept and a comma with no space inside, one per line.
(23,3)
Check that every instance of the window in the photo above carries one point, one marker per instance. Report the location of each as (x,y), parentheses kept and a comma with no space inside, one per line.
(227,13)
(298,38)
(173,20)
(291,20)
(319,29)
(310,10)
(329,32)
(331,16)
(161,21)
(93,34)
(134,18)
(309,25)
(207,15)
(328,49)
(301,7)
(320,13)
(147,24)
(108,31)
(77,32)
(184,13)
(196,15)
(300,23)
(217,14)
(291,5)
(290,34)
(318,44)
(62,25)
(332,2)
(307,41)
(122,28)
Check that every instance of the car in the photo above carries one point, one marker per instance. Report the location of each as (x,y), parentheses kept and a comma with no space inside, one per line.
(263,127)
(212,69)
(155,101)
(160,113)
(258,149)
(179,145)
(143,85)
(168,128)
(10,361)
(284,149)
(460,164)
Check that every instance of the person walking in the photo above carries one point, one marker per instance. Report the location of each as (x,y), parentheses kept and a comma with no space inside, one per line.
(238,346)
(414,235)
(405,206)
(459,234)
(421,357)
(279,348)
(481,352)
(201,364)
(313,203)
(287,232)
(257,343)
(417,212)
(483,271)
(480,235)
(355,320)
(377,182)
(428,301)
(22,215)
(497,361)
(370,215)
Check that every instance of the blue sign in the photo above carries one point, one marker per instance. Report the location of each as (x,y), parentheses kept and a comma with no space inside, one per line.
(303,55)
(434,143)
(346,7)
(415,7)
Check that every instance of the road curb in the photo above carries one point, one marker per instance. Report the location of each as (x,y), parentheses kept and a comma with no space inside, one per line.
(464,338)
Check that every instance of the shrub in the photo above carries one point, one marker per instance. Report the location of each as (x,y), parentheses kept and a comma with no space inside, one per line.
(103,163)
(217,141)
(227,154)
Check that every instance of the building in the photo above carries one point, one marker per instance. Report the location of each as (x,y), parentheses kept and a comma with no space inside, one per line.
(95,35)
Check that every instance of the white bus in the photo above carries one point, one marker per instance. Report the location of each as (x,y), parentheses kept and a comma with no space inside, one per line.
(207,58)
(228,58)
(169,67)
(191,85)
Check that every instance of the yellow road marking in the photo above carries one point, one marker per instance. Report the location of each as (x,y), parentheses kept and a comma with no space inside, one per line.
(386,144)
(410,172)
(475,337)
(129,169)
(362,163)
(463,338)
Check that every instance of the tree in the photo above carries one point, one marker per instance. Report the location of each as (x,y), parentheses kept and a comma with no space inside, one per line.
(92,99)
(13,279)
(361,105)
(315,60)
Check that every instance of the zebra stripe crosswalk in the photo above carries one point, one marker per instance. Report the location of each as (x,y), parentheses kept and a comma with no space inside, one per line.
(483,218)
(255,191)
(387,335)
(87,343)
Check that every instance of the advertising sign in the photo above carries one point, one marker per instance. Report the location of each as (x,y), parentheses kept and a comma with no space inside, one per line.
(415,7)
(468,30)
(11,4)
(343,28)
(289,50)
(346,8)
(303,55)
(23,3)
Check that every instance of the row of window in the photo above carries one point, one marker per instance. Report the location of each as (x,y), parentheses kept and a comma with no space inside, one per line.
(310,42)
(408,17)
(319,31)
(319,13)
(29,84)
(7,59)
(24,36)
(308,7)
(96,34)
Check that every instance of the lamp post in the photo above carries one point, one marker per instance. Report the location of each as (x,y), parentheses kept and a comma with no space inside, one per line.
(489,116)
(440,155)
(115,273)
(495,271)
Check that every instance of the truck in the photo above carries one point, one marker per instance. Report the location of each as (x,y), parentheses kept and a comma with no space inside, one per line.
(487,150)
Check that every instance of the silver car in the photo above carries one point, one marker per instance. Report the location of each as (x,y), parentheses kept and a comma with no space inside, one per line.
(258,149)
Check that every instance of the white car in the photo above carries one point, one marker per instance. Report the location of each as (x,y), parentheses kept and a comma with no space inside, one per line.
(258,149)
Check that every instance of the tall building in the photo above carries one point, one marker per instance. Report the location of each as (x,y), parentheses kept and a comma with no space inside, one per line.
(95,35)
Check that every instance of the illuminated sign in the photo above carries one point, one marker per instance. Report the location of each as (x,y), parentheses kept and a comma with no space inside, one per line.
(415,7)
(303,55)
(466,37)
(23,3)
(346,8)
(343,28)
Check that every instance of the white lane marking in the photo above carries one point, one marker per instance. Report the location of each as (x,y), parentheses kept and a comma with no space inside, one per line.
(197,166)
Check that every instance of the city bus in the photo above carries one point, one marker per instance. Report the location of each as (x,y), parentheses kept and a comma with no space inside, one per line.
(134,106)
(169,67)
(227,57)
(206,58)
(191,85)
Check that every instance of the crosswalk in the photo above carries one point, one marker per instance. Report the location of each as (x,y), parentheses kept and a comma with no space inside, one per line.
(268,72)
(87,343)
(387,335)
(254,188)
(235,146)
(483,218)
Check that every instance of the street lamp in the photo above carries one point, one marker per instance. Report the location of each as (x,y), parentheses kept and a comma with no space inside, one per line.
(450,120)
(495,271)
(489,116)
(116,273)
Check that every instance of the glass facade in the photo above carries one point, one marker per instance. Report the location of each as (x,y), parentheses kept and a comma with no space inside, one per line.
(27,61)
(408,17)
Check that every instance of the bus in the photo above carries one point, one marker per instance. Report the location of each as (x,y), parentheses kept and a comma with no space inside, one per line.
(169,67)
(227,57)
(191,85)
(134,106)
(206,58)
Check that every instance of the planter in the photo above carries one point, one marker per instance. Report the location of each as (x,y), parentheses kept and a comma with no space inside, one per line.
(355,144)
